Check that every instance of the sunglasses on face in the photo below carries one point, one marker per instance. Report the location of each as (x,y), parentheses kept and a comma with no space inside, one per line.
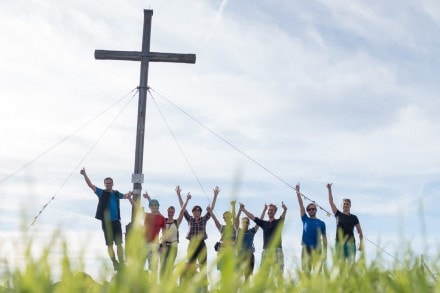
(311,209)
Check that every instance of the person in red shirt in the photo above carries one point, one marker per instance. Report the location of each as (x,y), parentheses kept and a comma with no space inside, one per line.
(170,236)
(154,223)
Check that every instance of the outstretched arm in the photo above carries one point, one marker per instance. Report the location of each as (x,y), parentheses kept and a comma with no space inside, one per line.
(178,190)
(86,178)
(182,210)
(128,194)
(147,196)
(283,215)
(302,210)
(330,198)
(217,223)
(263,212)
(132,201)
(233,208)
(246,212)
(214,200)
(237,219)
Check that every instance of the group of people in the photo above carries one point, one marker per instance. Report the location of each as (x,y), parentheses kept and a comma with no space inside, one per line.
(314,237)
(234,238)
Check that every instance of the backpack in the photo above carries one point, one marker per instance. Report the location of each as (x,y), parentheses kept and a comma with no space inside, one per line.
(103,204)
(177,226)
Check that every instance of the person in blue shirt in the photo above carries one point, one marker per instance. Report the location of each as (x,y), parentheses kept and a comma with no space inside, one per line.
(314,239)
(245,243)
(108,212)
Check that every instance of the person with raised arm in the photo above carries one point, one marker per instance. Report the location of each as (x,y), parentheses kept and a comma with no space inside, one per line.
(245,243)
(108,212)
(170,239)
(345,224)
(228,234)
(272,256)
(154,224)
(314,239)
(197,253)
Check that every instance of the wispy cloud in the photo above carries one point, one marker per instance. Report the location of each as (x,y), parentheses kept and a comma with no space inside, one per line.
(217,20)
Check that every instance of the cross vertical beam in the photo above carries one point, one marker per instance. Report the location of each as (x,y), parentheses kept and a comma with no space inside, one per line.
(145,57)
(137,179)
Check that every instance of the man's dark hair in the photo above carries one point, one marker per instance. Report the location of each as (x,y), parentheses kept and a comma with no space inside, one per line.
(196,208)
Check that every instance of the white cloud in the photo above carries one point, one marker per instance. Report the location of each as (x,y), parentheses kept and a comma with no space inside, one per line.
(313,92)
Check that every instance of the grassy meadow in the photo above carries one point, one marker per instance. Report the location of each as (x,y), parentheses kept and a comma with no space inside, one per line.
(413,274)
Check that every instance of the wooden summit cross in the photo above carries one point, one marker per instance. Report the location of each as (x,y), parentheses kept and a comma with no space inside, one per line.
(145,56)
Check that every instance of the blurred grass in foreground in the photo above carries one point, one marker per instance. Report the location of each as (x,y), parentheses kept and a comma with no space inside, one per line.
(36,275)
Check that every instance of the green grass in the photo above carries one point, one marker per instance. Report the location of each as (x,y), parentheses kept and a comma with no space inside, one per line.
(36,275)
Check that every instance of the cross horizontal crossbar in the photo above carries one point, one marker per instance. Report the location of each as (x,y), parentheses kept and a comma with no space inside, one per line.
(152,56)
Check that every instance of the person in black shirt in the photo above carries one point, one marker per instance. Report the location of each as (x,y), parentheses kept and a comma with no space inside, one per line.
(346,222)
(272,255)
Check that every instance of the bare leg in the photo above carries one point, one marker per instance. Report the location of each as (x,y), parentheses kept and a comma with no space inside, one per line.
(120,251)
(111,253)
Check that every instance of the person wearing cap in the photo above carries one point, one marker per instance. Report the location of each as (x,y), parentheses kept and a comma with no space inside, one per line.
(170,239)
(154,223)
(314,239)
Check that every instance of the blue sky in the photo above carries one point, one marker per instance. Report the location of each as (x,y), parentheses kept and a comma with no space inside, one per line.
(314,91)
